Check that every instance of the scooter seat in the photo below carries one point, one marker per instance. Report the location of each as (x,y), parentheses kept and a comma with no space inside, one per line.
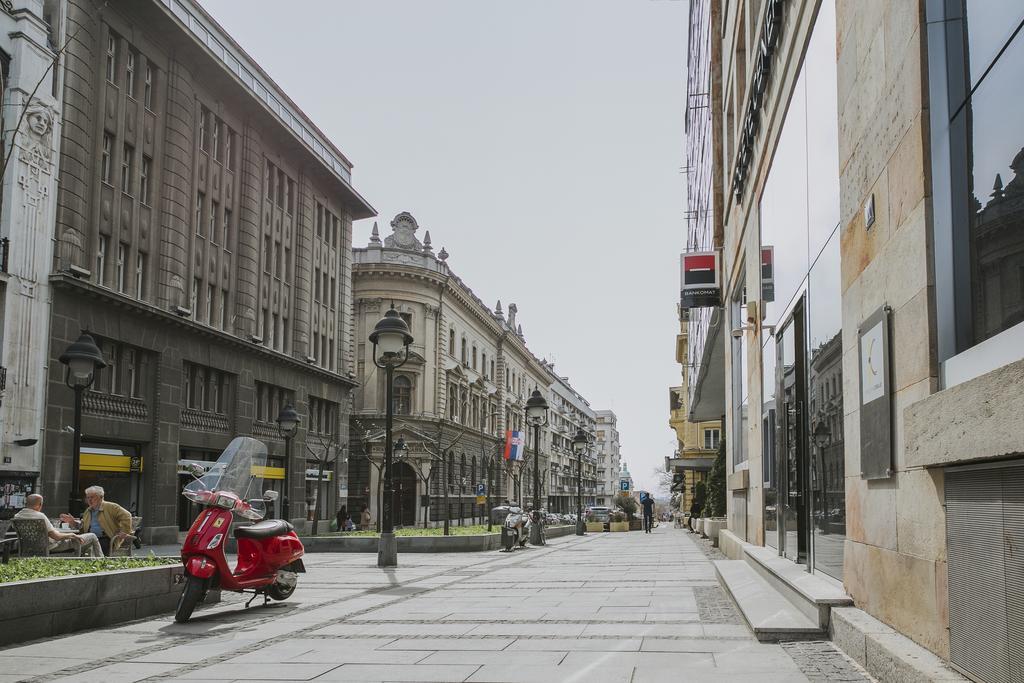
(265,529)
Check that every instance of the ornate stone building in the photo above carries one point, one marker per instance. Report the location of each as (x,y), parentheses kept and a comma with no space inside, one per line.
(203,236)
(30,30)
(466,382)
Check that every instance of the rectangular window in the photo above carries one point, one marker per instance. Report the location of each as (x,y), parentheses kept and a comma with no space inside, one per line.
(334,290)
(224,322)
(226,232)
(211,295)
(711,439)
(113,368)
(129,79)
(204,121)
(122,263)
(140,273)
(101,258)
(268,254)
(200,199)
(277,259)
(194,299)
(108,148)
(144,174)
(148,89)
(287,264)
(217,150)
(280,188)
(134,374)
(213,221)
(270,180)
(229,146)
(126,169)
(331,356)
(111,57)
(319,220)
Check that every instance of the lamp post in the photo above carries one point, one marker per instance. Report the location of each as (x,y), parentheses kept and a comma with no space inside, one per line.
(391,337)
(579,446)
(536,415)
(287,426)
(82,360)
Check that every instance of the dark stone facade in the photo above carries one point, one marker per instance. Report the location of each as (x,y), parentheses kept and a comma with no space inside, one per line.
(189,218)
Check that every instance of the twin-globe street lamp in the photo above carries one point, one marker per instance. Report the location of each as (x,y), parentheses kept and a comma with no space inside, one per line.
(579,447)
(391,336)
(287,428)
(82,360)
(537,416)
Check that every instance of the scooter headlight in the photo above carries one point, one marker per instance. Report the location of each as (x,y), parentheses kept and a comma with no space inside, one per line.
(215,541)
(226,502)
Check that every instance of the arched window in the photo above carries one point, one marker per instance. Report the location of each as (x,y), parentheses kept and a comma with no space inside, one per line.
(474,357)
(451,342)
(465,359)
(462,470)
(402,404)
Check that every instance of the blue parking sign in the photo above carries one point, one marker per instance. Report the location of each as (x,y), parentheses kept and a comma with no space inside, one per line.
(481,490)
(624,485)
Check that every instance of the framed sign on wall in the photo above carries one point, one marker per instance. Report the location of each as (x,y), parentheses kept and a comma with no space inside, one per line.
(876,402)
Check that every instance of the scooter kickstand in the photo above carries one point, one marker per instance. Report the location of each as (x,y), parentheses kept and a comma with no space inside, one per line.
(254,596)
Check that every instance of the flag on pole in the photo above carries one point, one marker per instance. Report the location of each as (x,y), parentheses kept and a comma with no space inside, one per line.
(515,445)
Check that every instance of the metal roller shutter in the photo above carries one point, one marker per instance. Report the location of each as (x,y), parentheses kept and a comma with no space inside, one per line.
(985,552)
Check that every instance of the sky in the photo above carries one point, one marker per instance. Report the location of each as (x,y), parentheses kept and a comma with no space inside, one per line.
(540,143)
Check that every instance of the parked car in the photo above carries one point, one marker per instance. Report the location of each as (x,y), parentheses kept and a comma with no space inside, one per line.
(599,513)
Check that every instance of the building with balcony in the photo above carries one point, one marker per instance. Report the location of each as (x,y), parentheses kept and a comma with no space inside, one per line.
(696,442)
(569,412)
(466,384)
(203,237)
(607,448)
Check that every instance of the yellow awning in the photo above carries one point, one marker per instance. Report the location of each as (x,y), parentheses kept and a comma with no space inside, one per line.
(95,461)
(268,472)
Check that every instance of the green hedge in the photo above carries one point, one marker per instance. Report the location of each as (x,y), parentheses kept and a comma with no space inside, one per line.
(24,569)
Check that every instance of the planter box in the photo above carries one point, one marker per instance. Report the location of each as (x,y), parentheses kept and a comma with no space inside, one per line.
(711,528)
(43,608)
(636,525)
(595,526)
(419,544)
(618,526)
(698,526)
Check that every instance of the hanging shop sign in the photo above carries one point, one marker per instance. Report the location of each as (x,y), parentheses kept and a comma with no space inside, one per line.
(312,474)
(771,27)
(876,404)
(700,286)
(767,274)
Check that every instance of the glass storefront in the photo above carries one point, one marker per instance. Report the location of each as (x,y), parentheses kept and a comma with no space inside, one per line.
(801,364)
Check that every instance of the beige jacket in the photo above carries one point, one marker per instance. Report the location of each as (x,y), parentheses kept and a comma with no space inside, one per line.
(113,519)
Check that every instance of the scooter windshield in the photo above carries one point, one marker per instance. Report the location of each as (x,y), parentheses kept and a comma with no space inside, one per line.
(239,470)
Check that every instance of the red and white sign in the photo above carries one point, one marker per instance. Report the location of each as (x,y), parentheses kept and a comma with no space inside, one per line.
(700,284)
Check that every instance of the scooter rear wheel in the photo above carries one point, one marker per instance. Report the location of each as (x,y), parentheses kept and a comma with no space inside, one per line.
(191,595)
(280,591)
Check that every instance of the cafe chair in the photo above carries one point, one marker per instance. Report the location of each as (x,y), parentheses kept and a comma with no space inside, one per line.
(32,539)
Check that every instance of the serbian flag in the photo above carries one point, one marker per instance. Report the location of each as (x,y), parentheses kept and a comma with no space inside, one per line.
(515,445)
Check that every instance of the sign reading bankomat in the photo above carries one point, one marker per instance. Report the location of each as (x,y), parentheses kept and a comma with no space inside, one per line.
(699,283)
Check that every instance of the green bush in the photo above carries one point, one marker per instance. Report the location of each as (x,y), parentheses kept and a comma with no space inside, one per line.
(618,516)
(716,484)
(627,504)
(24,569)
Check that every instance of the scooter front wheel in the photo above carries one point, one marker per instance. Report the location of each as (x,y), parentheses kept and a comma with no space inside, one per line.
(191,595)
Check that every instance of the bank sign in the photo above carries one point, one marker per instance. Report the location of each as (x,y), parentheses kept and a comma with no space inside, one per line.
(700,286)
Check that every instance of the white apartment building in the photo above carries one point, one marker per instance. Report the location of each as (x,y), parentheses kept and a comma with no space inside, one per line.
(606,449)
(569,411)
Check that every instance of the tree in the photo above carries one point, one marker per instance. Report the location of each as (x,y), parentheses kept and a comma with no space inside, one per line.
(663,481)
(716,484)
(627,504)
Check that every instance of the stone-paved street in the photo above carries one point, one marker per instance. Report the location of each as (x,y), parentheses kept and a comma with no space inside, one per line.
(607,607)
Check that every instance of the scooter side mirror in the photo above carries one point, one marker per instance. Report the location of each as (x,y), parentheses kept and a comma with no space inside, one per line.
(270,495)
(196,470)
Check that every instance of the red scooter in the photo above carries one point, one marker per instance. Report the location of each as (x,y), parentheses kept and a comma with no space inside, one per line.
(269,552)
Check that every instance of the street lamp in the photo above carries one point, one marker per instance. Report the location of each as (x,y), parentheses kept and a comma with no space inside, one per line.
(823,438)
(579,447)
(82,360)
(287,426)
(536,415)
(390,336)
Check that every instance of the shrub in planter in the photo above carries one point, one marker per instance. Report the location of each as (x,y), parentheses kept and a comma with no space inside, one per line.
(618,522)
(627,504)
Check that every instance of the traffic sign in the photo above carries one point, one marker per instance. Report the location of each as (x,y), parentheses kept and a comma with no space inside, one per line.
(480,500)
(624,485)
(481,490)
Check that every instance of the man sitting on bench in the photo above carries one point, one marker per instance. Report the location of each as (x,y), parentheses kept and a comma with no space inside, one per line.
(59,541)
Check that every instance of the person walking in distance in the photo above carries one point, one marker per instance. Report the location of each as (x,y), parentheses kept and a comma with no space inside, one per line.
(647,503)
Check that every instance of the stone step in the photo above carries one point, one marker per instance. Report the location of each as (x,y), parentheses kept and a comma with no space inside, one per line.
(769,615)
(813,595)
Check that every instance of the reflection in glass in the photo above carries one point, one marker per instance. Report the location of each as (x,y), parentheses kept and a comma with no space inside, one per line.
(768,420)
(825,411)
(783,204)
(990,23)
(740,366)
(996,195)
(822,131)
(789,423)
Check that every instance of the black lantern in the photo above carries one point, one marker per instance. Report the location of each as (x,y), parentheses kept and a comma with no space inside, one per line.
(82,360)
(537,416)
(287,427)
